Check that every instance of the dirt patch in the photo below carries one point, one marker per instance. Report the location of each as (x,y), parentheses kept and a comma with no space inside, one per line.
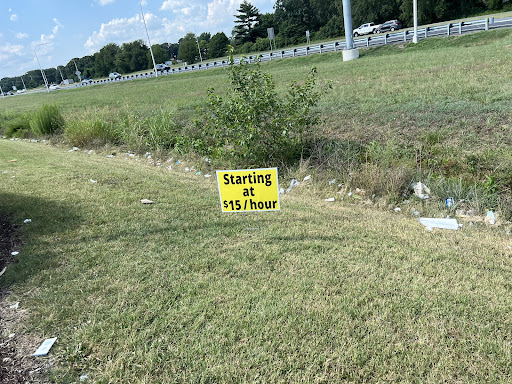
(16,364)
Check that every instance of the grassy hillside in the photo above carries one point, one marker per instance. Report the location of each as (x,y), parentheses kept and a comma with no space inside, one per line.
(179,292)
(438,111)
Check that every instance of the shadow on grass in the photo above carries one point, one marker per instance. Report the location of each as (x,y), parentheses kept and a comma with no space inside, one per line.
(49,219)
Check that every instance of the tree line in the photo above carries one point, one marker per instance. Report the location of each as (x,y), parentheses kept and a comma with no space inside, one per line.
(290,20)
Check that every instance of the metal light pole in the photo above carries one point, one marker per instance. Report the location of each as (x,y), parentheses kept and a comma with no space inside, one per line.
(24,86)
(149,42)
(350,52)
(41,69)
(77,73)
(62,77)
(2,92)
(199,49)
(415,16)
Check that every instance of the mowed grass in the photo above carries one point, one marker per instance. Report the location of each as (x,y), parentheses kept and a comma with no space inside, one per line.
(179,292)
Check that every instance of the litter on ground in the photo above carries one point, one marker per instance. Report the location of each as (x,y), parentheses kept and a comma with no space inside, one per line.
(93,181)
(110,156)
(27,221)
(14,253)
(330,199)
(397,209)
(439,223)
(146,201)
(332,181)
(3,271)
(490,218)
(45,347)
(306,178)
(421,190)
(293,184)
(208,175)
(16,305)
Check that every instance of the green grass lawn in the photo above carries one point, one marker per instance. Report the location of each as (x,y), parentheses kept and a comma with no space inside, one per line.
(179,292)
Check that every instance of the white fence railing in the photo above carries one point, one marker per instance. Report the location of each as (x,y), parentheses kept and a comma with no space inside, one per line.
(368,41)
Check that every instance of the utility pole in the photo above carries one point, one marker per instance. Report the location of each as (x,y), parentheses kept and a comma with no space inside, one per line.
(24,86)
(149,42)
(41,69)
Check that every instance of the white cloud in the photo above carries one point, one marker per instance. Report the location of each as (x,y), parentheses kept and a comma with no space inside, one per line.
(117,31)
(14,17)
(105,2)
(172,5)
(7,50)
(221,12)
(21,35)
(56,27)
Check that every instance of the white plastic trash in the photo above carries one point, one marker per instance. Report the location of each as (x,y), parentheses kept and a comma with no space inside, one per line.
(45,347)
(293,184)
(421,190)
(439,223)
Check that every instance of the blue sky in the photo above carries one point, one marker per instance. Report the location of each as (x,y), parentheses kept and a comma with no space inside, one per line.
(75,28)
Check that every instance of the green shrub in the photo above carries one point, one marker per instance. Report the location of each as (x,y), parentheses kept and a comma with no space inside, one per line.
(47,120)
(89,132)
(159,131)
(252,125)
(18,126)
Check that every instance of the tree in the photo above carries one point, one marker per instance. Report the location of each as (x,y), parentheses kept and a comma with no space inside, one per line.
(132,57)
(188,48)
(378,11)
(218,45)
(160,54)
(104,60)
(204,39)
(172,49)
(247,20)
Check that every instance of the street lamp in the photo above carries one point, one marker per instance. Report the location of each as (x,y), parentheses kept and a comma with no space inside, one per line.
(41,69)
(77,73)
(415,16)
(149,42)
(350,52)
(199,49)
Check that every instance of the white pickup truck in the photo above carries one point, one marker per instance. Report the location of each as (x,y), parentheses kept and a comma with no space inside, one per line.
(366,29)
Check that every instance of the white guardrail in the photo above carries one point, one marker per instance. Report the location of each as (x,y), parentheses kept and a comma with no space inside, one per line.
(367,41)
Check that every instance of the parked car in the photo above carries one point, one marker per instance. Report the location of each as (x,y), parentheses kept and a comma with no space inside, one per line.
(21,91)
(114,75)
(9,93)
(391,25)
(162,67)
(53,87)
(365,29)
(87,81)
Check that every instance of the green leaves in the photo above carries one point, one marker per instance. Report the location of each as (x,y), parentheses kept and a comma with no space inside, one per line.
(252,125)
